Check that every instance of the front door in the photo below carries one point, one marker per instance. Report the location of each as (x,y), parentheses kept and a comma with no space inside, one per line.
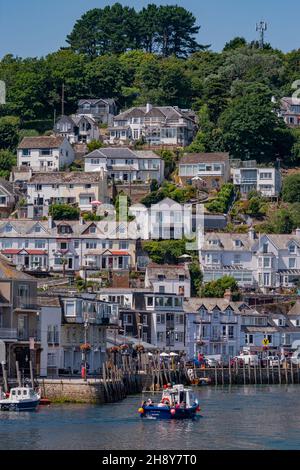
(70,263)
(26,261)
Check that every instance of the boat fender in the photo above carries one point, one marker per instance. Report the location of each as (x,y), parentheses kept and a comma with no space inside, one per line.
(141,410)
(173,411)
(198,408)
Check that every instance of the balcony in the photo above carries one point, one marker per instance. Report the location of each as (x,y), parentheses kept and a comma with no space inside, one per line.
(25,303)
(8,333)
(25,334)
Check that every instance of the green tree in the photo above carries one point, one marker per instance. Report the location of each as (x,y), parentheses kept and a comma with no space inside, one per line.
(235,43)
(217,288)
(196,278)
(94,145)
(252,130)
(9,132)
(291,188)
(165,251)
(7,161)
(64,212)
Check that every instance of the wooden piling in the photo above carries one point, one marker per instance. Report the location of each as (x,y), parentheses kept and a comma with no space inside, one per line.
(222,369)
(292,373)
(244,372)
(286,372)
(31,374)
(272,373)
(229,371)
(255,378)
(216,375)
(18,374)
(249,372)
(260,373)
(4,374)
(279,372)
(268,371)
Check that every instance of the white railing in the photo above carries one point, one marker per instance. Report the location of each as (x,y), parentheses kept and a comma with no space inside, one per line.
(8,333)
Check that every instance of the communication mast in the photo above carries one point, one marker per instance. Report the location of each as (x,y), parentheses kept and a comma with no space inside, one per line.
(261,27)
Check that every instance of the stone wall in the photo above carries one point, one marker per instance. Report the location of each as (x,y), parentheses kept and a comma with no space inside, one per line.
(73,390)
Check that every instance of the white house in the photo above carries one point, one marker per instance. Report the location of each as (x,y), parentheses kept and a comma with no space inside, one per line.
(8,197)
(45,153)
(73,187)
(211,169)
(156,125)
(168,279)
(264,261)
(126,165)
(77,128)
(247,176)
(52,355)
(68,246)
(290,111)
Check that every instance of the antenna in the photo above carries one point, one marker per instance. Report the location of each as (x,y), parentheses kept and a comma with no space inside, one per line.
(261,27)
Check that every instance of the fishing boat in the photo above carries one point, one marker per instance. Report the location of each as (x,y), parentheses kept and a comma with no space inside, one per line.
(20,399)
(177,402)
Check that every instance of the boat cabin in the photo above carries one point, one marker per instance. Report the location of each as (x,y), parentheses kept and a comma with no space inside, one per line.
(179,394)
(22,393)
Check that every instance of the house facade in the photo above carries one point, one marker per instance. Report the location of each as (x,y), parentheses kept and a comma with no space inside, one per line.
(247,176)
(77,128)
(210,170)
(156,125)
(290,111)
(102,110)
(169,279)
(264,261)
(8,197)
(74,188)
(45,153)
(67,246)
(125,165)
(19,318)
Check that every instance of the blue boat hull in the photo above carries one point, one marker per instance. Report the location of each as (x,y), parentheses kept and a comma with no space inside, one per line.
(156,412)
(21,406)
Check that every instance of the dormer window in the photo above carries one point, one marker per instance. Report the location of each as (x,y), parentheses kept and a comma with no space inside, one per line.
(37,228)
(93,229)
(8,228)
(214,242)
(292,249)
(237,243)
(161,277)
(265,247)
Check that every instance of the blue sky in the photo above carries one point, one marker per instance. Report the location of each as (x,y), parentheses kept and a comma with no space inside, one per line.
(37,27)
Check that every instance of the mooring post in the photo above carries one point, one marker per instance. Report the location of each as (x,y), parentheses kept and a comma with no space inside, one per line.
(292,373)
(272,373)
(249,372)
(244,372)
(260,372)
(216,375)
(255,381)
(279,372)
(286,372)
(18,374)
(31,374)
(4,373)
(268,371)
(222,369)
(229,370)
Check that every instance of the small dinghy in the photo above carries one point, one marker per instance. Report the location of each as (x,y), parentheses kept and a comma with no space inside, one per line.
(20,399)
(177,402)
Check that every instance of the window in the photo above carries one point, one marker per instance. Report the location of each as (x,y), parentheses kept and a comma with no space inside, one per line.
(63,246)
(123,245)
(292,263)
(38,187)
(150,301)
(160,337)
(87,186)
(76,244)
(95,161)
(46,152)
(40,244)
(267,262)
(265,176)
(292,249)
(161,319)
(248,339)
(70,309)
(26,152)
(181,277)
(265,248)
(237,243)
(127,319)
(161,289)
(37,229)
(92,245)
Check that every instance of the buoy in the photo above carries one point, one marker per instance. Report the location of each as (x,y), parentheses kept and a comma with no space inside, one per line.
(198,408)
(141,410)
(173,411)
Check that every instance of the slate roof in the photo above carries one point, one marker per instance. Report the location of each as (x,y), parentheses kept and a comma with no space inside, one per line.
(169,271)
(167,112)
(8,271)
(41,142)
(66,177)
(204,158)
(193,304)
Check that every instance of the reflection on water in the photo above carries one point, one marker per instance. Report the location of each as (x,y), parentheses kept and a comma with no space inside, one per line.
(262,417)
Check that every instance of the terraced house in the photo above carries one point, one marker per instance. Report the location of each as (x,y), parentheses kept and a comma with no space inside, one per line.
(264,261)
(73,187)
(68,246)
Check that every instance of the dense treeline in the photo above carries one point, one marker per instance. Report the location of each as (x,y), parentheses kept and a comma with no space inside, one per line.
(231,91)
(115,29)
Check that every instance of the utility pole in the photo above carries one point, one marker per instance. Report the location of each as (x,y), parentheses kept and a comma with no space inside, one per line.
(261,27)
(63,100)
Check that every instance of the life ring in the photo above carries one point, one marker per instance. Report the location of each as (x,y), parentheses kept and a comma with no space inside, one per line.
(166,400)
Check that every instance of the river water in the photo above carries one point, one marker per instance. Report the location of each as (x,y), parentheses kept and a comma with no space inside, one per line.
(250,417)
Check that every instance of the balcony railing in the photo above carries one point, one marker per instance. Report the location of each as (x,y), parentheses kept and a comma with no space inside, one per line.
(25,335)
(25,303)
(8,333)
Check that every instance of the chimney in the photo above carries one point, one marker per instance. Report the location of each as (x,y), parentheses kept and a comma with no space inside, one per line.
(251,233)
(297,232)
(148,107)
(50,222)
(228,295)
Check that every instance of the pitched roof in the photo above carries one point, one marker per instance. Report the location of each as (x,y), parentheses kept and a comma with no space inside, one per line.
(41,142)
(8,270)
(166,112)
(96,100)
(7,185)
(169,271)
(204,157)
(66,177)
(193,304)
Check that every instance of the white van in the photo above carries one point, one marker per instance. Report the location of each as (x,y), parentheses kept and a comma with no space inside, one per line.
(248,358)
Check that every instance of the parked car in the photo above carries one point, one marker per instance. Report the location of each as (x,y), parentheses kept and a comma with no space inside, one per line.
(247,358)
(213,361)
(295,358)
